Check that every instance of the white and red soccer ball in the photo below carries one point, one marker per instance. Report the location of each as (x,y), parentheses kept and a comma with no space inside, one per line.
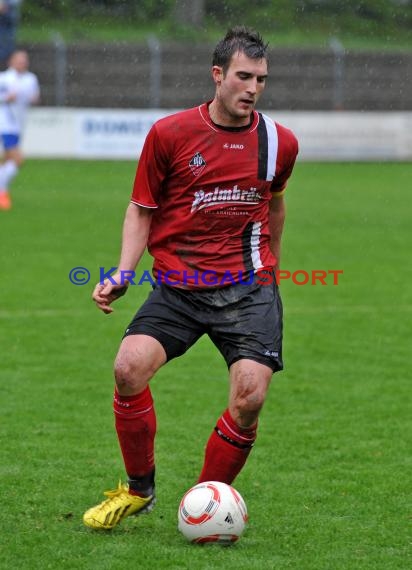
(212,512)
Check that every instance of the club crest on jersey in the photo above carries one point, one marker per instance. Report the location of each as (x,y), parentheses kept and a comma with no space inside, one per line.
(197,164)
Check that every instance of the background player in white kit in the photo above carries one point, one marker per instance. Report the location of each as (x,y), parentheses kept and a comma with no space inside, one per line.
(19,88)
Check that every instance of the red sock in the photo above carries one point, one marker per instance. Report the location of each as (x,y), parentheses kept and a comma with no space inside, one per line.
(227,450)
(135,422)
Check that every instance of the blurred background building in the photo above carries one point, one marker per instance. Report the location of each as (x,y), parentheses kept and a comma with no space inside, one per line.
(324,55)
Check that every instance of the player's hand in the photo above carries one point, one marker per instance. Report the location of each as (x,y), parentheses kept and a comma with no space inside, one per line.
(11,97)
(105,293)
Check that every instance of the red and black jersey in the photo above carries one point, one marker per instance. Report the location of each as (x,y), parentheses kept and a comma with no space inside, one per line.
(211,189)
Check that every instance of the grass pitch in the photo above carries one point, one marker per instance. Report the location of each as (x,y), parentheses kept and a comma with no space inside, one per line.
(328,484)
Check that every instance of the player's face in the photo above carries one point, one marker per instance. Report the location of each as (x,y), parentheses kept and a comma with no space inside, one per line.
(238,90)
(20,61)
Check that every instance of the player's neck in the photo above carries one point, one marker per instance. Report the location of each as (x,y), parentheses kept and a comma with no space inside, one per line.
(222,119)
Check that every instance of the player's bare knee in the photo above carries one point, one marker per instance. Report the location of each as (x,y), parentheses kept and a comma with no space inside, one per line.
(246,405)
(136,363)
(249,404)
(123,375)
(130,374)
(138,359)
(248,392)
(15,155)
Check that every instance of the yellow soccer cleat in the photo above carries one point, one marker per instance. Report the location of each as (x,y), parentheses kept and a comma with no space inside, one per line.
(120,504)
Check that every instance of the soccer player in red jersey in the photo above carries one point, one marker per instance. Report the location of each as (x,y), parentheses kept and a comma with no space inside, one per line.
(208,204)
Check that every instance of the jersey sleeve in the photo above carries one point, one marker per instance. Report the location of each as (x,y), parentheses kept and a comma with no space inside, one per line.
(287,152)
(151,171)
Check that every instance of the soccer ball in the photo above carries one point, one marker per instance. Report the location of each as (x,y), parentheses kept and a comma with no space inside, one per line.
(212,512)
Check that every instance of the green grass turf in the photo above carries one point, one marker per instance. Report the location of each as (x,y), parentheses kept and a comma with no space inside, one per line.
(313,32)
(328,484)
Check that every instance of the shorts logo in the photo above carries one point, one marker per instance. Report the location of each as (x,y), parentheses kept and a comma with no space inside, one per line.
(271,353)
(197,164)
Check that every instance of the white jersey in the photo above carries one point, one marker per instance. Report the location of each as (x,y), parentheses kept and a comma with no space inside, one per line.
(26,88)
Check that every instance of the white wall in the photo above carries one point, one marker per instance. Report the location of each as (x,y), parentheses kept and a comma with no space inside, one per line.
(119,134)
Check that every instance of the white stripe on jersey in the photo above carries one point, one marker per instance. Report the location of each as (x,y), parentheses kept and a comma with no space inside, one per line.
(254,245)
(272,147)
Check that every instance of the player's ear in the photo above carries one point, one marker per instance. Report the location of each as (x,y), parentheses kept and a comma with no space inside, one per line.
(217,74)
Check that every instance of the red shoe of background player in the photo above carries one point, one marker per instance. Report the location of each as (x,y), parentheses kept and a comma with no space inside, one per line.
(5,200)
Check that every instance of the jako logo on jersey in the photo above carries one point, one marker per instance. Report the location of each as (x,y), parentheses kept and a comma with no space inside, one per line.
(197,164)
(229,195)
(233,146)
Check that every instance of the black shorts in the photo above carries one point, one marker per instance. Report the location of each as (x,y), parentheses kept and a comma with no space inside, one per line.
(243,321)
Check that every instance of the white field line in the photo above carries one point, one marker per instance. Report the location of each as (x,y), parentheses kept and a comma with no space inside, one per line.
(51,313)
(43,313)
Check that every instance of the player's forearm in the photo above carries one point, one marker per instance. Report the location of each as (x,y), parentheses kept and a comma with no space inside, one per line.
(136,229)
(6,97)
(277,214)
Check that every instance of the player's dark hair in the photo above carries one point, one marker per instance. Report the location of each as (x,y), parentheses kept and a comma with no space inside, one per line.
(239,39)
